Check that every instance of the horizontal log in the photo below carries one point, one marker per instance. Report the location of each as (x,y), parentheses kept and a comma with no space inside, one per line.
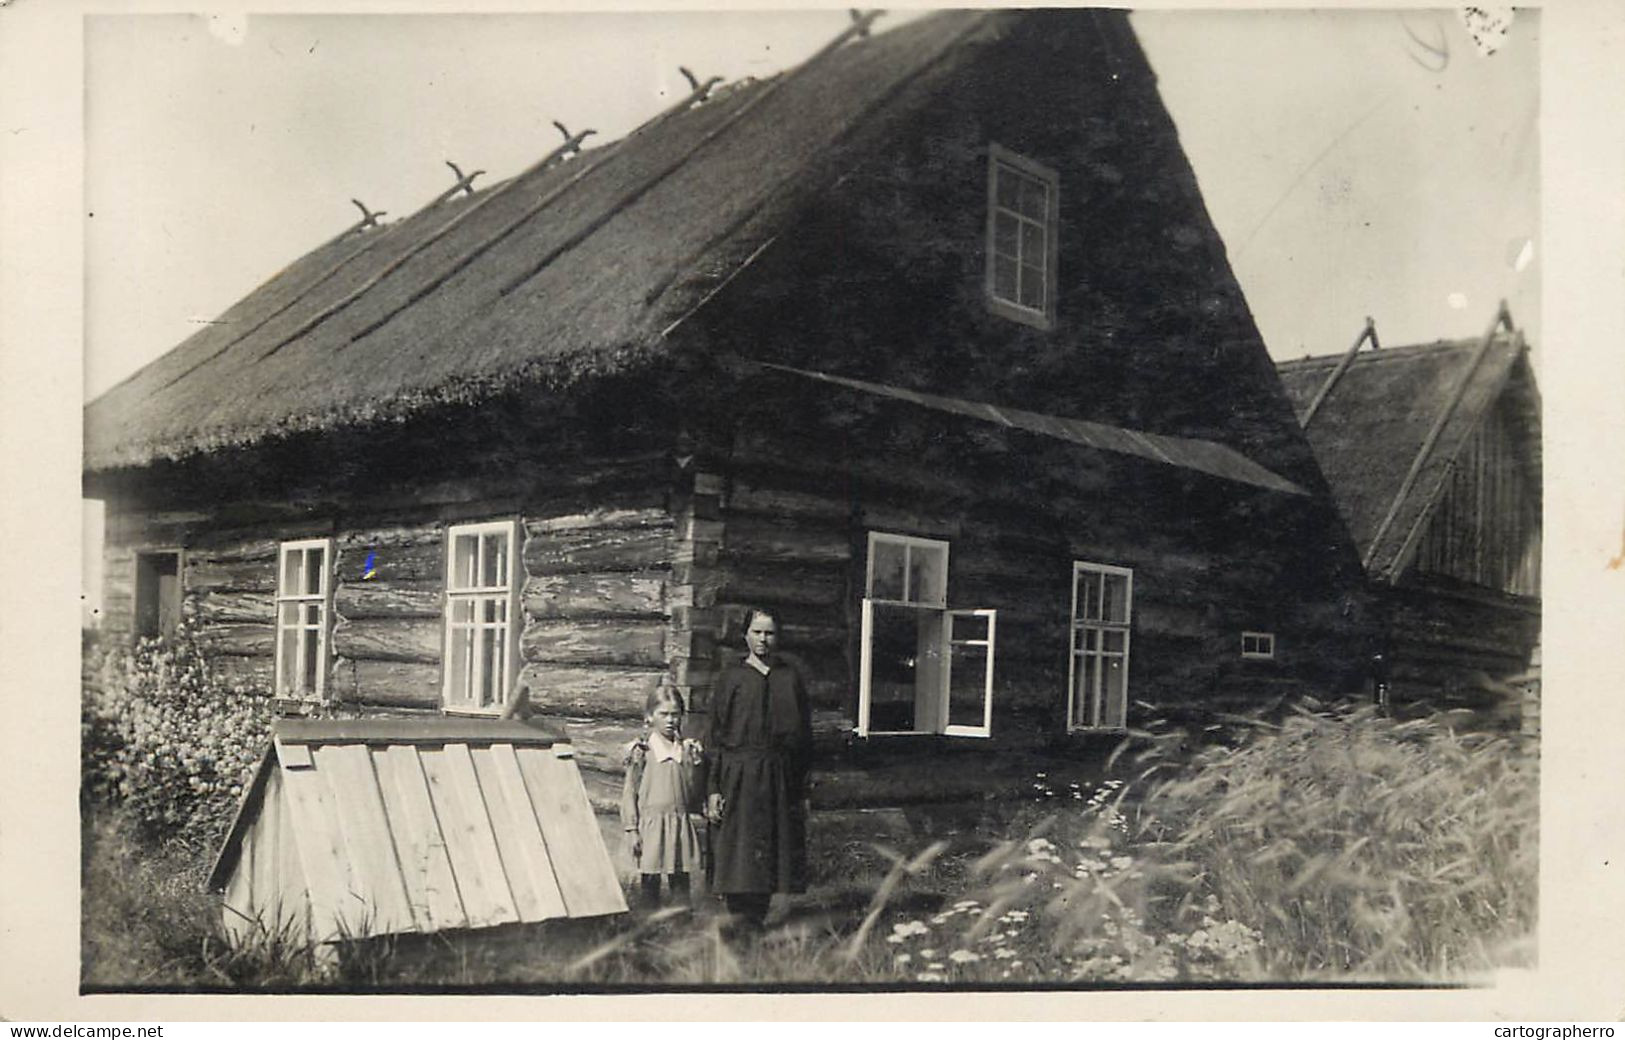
(756,539)
(255,549)
(590,692)
(237,639)
(218,606)
(390,639)
(595,642)
(396,536)
(1172,619)
(403,563)
(753,498)
(251,574)
(599,519)
(354,600)
(401,684)
(599,743)
(255,673)
(595,595)
(599,550)
(781,584)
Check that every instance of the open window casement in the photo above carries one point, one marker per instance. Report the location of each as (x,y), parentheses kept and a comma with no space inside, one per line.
(923,668)
(1102,606)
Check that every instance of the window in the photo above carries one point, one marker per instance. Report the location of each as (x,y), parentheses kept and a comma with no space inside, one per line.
(924,668)
(304,597)
(157,594)
(1022,204)
(1258,645)
(1102,604)
(482,599)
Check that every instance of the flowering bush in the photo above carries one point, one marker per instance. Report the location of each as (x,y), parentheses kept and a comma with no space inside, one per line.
(168,741)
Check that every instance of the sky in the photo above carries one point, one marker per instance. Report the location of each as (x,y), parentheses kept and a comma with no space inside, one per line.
(1357,162)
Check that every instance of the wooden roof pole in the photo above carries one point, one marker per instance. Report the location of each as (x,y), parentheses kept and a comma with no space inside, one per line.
(1368,333)
(1503,318)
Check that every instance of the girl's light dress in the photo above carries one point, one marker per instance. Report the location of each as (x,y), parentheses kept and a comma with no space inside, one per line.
(661,801)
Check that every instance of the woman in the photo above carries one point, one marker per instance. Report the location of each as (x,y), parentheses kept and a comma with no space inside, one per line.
(760,742)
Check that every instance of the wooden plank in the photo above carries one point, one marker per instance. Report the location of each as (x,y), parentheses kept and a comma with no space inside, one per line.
(599,519)
(322,854)
(628,643)
(574,845)
(385,731)
(237,903)
(426,870)
(519,838)
(416,640)
(590,691)
(354,600)
(598,550)
(395,684)
(221,606)
(239,640)
(454,791)
(347,768)
(292,905)
(595,595)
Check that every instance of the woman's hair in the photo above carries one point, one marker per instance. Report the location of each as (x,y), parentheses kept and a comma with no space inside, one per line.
(751,614)
(663,694)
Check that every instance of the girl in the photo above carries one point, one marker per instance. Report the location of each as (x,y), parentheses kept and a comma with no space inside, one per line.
(665,783)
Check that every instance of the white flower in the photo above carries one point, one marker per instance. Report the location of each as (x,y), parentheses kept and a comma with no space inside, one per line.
(1004,953)
(966,904)
(903,958)
(1122,862)
(930,976)
(964,957)
(928,954)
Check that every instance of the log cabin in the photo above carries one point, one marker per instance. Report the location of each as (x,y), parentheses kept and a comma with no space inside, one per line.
(1433,455)
(927,344)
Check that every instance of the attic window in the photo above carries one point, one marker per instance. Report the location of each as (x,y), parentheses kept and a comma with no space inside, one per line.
(1022,204)
(924,668)
(304,598)
(1258,646)
(482,600)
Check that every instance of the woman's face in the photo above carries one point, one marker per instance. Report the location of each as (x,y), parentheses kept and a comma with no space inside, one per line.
(666,720)
(762,635)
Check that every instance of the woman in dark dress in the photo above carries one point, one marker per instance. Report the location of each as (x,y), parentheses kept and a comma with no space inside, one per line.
(761,739)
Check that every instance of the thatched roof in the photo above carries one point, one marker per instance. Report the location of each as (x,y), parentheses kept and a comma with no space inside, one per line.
(568,271)
(1373,424)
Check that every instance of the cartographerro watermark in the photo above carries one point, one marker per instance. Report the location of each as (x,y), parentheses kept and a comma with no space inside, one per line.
(1554,1032)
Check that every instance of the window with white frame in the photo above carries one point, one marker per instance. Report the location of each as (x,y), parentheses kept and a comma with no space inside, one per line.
(304,600)
(1259,646)
(482,600)
(924,668)
(1102,605)
(1022,237)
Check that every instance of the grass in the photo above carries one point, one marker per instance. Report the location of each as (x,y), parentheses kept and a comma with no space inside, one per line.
(1324,845)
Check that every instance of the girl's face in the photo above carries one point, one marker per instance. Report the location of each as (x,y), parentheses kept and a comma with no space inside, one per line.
(666,720)
(762,635)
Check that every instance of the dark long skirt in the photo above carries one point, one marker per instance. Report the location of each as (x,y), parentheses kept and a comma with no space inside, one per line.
(761,845)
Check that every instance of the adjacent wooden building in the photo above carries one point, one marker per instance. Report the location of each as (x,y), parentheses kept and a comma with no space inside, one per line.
(928,344)
(1433,455)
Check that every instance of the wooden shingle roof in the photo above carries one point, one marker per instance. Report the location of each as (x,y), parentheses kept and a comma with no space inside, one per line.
(1374,423)
(573,269)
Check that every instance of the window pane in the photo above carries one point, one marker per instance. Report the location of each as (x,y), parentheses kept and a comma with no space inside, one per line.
(1032,244)
(464,549)
(1032,288)
(494,564)
(1091,640)
(1088,595)
(490,667)
(287,679)
(461,654)
(894,670)
(310,637)
(886,581)
(928,578)
(1114,640)
(1006,231)
(1008,186)
(313,571)
(1034,199)
(1086,693)
(292,579)
(1115,606)
(967,679)
(1114,683)
(1004,278)
(462,610)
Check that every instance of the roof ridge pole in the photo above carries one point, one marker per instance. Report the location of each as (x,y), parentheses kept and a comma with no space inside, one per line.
(699,93)
(1503,318)
(571,145)
(859,27)
(1367,333)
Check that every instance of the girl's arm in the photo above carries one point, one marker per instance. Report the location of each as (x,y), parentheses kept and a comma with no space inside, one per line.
(629,787)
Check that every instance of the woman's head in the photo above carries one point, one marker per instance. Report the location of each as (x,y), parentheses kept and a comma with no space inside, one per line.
(761,632)
(663,710)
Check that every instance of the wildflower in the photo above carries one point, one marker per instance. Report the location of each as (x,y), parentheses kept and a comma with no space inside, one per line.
(930,976)
(903,929)
(1122,862)
(966,904)
(928,954)
(964,957)
(1004,953)
(903,958)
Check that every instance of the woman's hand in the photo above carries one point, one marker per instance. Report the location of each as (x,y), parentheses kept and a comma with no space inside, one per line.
(635,841)
(713,808)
